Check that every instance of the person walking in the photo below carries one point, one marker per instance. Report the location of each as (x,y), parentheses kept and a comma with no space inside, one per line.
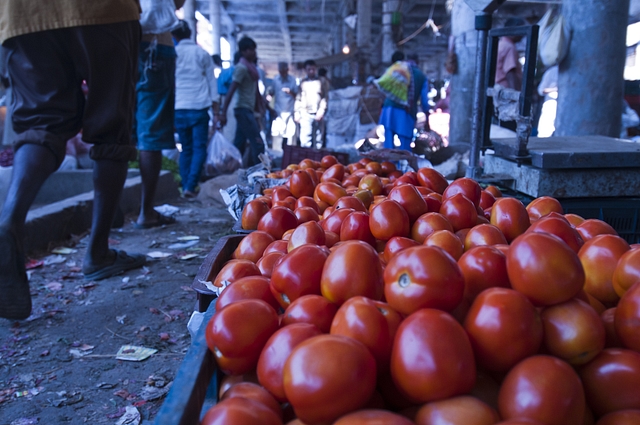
(311,105)
(196,92)
(48,51)
(285,91)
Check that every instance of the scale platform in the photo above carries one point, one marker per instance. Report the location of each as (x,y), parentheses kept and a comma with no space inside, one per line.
(569,167)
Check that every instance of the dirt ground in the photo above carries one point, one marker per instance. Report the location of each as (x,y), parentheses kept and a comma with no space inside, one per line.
(59,366)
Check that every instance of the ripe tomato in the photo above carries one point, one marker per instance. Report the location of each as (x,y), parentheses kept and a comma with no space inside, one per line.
(483,234)
(252,246)
(254,392)
(542,206)
(594,227)
(305,214)
(444,366)
(559,227)
(350,202)
(486,200)
(611,381)
(545,389)
(276,352)
(328,376)
(335,171)
(237,333)
(252,213)
(276,246)
(388,219)
(328,161)
(280,193)
(621,417)
(373,323)
(240,411)
(627,318)
(627,271)
(373,167)
(306,233)
(234,270)
(356,227)
(268,261)
(434,201)
(465,186)
(365,196)
(372,416)
(410,199)
(544,268)
(372,183)
(329,192)
(483,267)
(503,327)
(574,219)
(395,245)
(428,223)
(247,288)
(301,184)
(333,222)
(423,277)
(573,331)
(331,238)
(446,240)
(307,201)
(298,273)
(312,309)
(494,191)
(277,221)
(459,211)
(608,319)
(599,257)
(510,216)
(457,410)
(428,177)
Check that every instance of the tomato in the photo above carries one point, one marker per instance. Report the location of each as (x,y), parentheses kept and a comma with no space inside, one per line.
(298,273)
(328,376)
(305,214)
(277,221)
(465,186)
(573,219)
(459,211)
(372,417)
(307,201)
(234,270)
(373,323)
(503,327)
(599,257)
(240,411)
(329,192)
(432,357)
(388,219)
(268,262)
(252,246)
(276,246)
(559,227)
(486,200)
(373,167)
(395,245)
(280,193)
(434,201)
(621,417)
(305,233)
(350,202)
(608,319)
(428,223)
(423,277)
(494,191)
(410,199)
(331,238)
(542,206)
(356,227)
(365,196)
(287,235)
(627,271)
(573,331)
(627,318)
(457,410)
(372,183)
(611,381)
(446,240)
(594,227)
(544,268)
(312,309)
(545,389)
(336,171)
(483,267)
(252,213)
(595,304)
(255,392)
(483,234)
(250,287)
(333,222)
(237,333)
(510,216)
(301,184)
(328,161)
(428,177)
(229,381)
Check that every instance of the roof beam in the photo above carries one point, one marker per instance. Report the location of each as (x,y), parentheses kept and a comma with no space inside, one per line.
(284,28)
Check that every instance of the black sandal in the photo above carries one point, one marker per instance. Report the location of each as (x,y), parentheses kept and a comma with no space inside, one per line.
(162,220)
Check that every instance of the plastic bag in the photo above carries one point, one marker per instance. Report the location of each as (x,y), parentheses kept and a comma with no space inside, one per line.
(222,156)
(553,44)
(158,16)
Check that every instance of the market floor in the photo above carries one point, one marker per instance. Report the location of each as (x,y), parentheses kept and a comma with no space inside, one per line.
(59,366)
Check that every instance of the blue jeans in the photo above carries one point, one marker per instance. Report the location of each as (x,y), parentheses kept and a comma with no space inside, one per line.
(247,129)
(192,126)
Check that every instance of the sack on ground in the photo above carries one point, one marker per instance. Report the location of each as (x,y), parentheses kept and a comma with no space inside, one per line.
(222,156)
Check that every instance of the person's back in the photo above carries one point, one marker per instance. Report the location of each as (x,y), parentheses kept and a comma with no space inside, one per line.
(196,87)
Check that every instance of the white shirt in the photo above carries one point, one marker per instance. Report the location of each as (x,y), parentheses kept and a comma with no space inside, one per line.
(284,101)
(196,86)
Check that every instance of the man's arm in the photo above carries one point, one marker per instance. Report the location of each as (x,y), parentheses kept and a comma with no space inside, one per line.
(324,95)
(227,100)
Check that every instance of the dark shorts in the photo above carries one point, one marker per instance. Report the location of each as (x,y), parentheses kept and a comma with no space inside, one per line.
(46,70)
(155,93)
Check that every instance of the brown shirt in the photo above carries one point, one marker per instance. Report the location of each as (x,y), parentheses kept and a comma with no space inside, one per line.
(508,61)
(19,17)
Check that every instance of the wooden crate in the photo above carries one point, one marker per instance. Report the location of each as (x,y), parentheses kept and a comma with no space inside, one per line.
(295,154)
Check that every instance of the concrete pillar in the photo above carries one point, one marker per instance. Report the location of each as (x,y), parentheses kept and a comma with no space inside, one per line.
(214,18)
(461,102)
(337,48)
(388,44)
(190,16)
(363,39)
(590,82)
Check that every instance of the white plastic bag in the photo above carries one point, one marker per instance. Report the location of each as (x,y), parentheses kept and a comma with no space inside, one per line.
(553,43)
(158,16)
(222,156)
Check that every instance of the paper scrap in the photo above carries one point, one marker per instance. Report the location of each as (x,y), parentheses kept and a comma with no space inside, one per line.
(167,209)
(159,254)
(63,250)
(120,319)
(188,256)
(134,353)
(53,259)
(131,417)
(183,245)
(189,238)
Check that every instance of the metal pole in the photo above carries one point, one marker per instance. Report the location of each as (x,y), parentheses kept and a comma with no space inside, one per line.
(190,16)
(483,25)
(214,17)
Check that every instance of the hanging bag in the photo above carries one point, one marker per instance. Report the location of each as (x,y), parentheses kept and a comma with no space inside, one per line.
(553,44)
(158,16)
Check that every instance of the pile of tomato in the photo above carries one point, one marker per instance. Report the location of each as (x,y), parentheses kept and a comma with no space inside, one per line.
(369,296)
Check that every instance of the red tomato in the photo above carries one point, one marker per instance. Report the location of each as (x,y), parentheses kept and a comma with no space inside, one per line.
(428,223)
(301,184)
(331,238)
(306,233)
(559,227)
(483,267)
(353,268)
(328,376)
(542,206)
(255,392)
(356,227)
(333,222)
(544,268)
(328,161)
(276,352)
(373,167)
(446,240)
(312,309)
(365,196)
(486,200)
(373,323)
(410,199)
(494,191)
(483,234)
(234,270)
(428,177)
(627,318)
(388,167)
(432,357)
(611,381)
(608,319)
(287,235)
(298,273)
(305,214)
(237,333)
(395,245)
(277,221)
(465,186)
(247,288)
(621,417)
(503,327)
(329,192)
(335,171)
(252,213)
(594,227)
(434,201)
(252,246)
(457,410)
(350,202)
(240,411)
(307,201)
(280,193)
(229,381)
(545,389)
(268,262)
(627,271)
(574,219)
(388,219)
(423,277)
(573,331)
(599,257)
(459,211)
(372,183)
(372,417)
(510,216)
